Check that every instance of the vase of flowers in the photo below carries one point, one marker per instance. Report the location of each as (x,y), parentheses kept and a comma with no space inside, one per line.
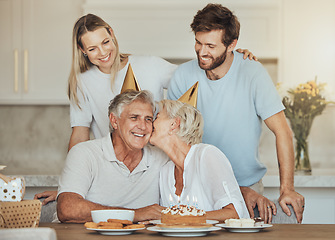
(302,105)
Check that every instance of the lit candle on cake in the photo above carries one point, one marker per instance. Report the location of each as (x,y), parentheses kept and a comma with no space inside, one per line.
(188,200)
(178,200)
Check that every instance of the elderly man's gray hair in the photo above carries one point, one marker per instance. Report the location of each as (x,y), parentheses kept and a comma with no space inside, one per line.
(121,100)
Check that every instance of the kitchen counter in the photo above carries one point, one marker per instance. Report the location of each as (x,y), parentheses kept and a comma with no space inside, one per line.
(41,180)
(318,178)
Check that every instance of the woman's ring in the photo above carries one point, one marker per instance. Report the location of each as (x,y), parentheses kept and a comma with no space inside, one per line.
(269,206)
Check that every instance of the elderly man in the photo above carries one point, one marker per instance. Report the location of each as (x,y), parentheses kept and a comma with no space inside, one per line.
(117,171)
(234,97)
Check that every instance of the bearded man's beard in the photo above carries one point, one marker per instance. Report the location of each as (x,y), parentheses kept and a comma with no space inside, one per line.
(216,63)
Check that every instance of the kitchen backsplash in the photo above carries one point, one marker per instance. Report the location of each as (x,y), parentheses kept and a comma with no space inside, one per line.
(34,139)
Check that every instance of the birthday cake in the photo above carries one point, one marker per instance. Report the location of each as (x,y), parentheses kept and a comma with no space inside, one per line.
(182,214)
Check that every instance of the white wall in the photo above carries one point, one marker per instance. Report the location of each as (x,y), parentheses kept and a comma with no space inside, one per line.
(308,41)
(308,50)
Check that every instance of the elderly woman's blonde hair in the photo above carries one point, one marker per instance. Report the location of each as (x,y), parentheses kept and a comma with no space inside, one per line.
(191,121)
(121,100)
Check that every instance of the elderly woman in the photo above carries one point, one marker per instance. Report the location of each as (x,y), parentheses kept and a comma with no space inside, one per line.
(195,170)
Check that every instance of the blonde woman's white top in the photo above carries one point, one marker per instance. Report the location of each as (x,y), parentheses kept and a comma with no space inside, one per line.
(152,73)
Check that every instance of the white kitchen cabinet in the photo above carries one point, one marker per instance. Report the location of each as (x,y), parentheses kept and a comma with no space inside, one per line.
(35,50)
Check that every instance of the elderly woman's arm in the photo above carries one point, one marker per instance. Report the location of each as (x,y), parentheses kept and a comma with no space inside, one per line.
(221,185)
(223,214)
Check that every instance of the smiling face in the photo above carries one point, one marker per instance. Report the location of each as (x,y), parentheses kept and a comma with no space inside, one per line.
(210,50)
(134,126)
(100,49)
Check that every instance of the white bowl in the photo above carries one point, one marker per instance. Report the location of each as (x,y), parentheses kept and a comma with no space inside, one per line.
(104,215)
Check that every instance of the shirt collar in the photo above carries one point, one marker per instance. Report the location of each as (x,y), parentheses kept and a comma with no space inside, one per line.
(109,155)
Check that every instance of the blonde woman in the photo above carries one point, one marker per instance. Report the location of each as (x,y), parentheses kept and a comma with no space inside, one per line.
(97,74)
(196,169)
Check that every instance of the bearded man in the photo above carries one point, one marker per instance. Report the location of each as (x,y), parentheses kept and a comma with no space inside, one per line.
(234,97)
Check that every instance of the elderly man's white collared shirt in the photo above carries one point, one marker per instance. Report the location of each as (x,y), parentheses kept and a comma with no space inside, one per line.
(92,171)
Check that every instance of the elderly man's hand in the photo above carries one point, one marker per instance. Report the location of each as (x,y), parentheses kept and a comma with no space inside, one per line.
(290,197)
(148,213)
(265,207)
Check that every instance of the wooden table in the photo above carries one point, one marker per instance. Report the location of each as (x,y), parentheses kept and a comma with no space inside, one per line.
(278,231)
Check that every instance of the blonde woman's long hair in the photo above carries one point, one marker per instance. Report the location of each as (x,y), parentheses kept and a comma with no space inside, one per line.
(81,63)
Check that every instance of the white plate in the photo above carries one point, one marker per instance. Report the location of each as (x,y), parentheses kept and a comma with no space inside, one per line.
(195,232)
(207,221)
(244,229)
(115,231)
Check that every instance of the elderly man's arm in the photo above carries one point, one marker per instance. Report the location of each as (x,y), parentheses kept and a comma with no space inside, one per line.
(285,154)
(73,208)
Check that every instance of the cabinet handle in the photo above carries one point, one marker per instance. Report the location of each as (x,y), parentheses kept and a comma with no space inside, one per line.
(16,70)
(25,70)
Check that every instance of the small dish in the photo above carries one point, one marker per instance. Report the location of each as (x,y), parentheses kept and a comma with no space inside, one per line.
(244,229)
(115,231)
(183,232)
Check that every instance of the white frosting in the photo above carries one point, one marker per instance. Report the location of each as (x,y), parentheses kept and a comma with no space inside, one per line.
(184,210)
